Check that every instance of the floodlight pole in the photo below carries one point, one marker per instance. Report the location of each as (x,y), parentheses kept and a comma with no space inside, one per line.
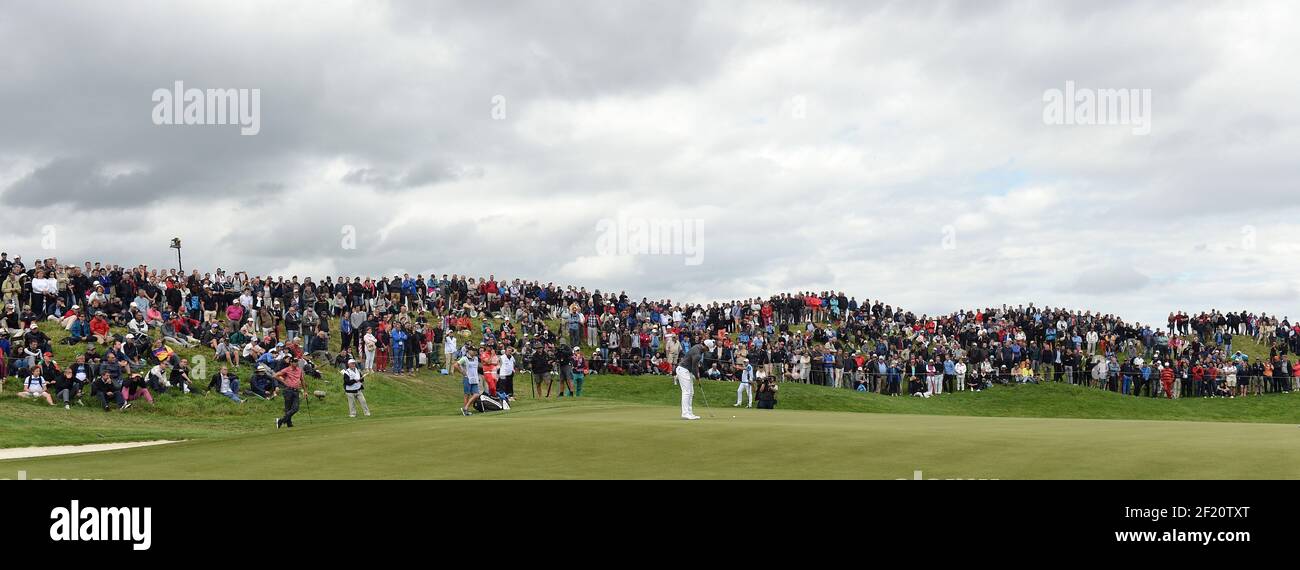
(176,245)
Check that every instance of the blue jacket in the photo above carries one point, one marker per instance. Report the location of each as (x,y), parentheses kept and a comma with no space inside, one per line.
(80,329)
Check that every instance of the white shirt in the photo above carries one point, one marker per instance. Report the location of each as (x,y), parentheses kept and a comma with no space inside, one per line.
(46,285)
(351,379)
(470,366)
(507,365)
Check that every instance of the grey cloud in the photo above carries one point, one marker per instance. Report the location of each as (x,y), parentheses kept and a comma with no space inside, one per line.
(424,174)
(368,119)
(1109,280)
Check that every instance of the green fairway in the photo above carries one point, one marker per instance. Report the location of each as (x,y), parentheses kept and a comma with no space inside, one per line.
(626,441)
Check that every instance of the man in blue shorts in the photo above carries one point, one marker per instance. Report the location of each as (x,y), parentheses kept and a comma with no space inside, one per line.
(468,364)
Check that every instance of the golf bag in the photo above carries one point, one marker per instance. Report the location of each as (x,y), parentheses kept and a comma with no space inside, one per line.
(486,403)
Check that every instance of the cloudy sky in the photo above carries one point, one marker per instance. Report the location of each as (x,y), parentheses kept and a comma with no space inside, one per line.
(893,150)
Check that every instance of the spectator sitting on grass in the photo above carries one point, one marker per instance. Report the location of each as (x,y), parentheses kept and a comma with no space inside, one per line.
(34,387)
(99,328)
(182,330)
(82,372)
(224,352)
(36,334)
(128,350)
(78,330)
(1025,373)
(159,378)
(226,384)
(49,364)
(26,359)
(137,325)
(134,388)
(107,389)
(262,384)
(68,388)
(713,373)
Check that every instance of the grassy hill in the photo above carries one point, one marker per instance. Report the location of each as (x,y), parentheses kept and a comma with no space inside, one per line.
(427,393)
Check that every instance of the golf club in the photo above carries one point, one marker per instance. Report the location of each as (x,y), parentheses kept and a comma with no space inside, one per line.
(707,408)
(305,395)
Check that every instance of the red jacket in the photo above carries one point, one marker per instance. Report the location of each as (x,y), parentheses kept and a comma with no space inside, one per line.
(98,326)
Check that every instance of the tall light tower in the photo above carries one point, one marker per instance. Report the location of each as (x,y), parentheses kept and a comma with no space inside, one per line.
(176,245)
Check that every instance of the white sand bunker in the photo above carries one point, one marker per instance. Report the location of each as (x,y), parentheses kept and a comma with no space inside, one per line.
(28,452)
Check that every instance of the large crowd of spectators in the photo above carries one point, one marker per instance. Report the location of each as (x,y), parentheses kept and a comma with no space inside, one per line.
(128,319)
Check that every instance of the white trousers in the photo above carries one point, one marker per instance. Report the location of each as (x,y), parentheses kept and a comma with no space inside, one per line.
(687,383)
(745,388)
(353,399)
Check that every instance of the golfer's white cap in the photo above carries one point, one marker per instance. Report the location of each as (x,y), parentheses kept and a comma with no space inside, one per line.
(708,342)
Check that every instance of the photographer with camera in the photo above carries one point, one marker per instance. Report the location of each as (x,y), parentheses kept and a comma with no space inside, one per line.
(767,388)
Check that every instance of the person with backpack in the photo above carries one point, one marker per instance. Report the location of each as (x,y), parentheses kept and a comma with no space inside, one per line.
(354,385)
(34,386)
(564,371)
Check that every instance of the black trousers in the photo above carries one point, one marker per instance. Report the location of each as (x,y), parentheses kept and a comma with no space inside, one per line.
(103,399)
(290,405)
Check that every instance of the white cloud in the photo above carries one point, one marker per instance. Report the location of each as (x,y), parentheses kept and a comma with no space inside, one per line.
(827,146)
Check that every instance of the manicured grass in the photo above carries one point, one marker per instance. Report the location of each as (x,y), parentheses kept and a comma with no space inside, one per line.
(628,441)
(1050,400)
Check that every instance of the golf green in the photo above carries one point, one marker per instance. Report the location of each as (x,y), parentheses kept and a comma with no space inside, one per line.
(613,440)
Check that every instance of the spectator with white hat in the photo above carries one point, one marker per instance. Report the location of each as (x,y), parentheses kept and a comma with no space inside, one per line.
(354,385)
